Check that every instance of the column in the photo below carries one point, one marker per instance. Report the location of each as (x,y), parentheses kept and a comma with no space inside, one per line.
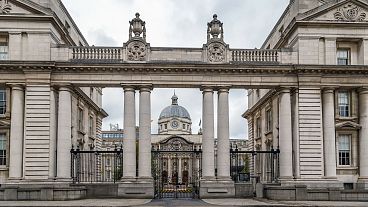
(208,142)
(53,135)
(169,167)
(180,173)
(16,132)
(144,164)
(223,142)
(363,134)
(129,141)
(329,136)
(285,134)
(64,133)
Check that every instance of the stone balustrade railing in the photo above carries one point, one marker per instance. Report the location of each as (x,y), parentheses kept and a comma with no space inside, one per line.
(97,53)
(255,55)
(117,54)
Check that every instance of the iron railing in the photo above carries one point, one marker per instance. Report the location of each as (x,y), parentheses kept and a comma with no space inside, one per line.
(96,166)
(266,165)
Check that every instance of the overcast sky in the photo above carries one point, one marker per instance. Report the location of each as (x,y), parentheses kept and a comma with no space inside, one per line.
(177,23)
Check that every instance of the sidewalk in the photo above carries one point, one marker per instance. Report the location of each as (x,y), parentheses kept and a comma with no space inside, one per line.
(184,202)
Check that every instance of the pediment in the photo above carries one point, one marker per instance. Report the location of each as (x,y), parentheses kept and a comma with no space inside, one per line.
(174,143)
(347,125)
(21,7)
(343,11)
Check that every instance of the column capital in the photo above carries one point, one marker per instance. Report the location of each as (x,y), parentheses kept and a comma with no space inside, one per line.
(284,90)
(66,88)
(129,89)
(207,89)
(328,89)
(16,86)
(363,90)
(223,89)
(145,88)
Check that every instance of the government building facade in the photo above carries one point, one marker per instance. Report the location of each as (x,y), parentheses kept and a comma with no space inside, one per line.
(307,116)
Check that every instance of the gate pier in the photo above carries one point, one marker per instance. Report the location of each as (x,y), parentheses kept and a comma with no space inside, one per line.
(136,188)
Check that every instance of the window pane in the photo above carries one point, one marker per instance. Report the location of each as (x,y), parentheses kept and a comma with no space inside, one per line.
(344,143)
(343,56)
(344,104)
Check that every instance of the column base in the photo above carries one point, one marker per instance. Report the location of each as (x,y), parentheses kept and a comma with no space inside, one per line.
(216,188)
(136,188)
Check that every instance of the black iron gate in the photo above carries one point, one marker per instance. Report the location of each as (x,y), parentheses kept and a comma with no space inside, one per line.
(176,173)
(96,166)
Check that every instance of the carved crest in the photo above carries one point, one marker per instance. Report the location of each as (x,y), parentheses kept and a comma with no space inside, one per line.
(176,144)
(350,12)
(216,52)
(136,51)
(5,7)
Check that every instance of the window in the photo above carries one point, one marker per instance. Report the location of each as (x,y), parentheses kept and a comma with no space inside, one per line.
(80,119)
(2,149)
(183,126)
(343,56)
(165,126)
(2,101)
(258,127)
(344,143)
(268,120)
(4,47)
(90,126)
(344,103)
(91,91)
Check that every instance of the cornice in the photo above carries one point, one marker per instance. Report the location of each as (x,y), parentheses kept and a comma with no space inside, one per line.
(181,68)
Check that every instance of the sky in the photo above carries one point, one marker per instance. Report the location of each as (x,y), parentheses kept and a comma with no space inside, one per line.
(177,23)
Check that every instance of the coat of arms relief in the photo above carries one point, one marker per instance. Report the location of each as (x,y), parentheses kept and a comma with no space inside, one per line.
(5,7)
(350,12)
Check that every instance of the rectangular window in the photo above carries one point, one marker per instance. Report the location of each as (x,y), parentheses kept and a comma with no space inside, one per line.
(258,127)
(268,120)
(343,56)
(344,145)
(2,149)
(4,47)
(91,126)
(344,103)
(80,119)
(2,101)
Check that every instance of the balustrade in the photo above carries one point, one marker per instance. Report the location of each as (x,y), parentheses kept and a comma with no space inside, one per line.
(97,53)
(256,55)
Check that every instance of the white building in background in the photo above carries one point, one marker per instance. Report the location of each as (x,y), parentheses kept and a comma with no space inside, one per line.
(322,126)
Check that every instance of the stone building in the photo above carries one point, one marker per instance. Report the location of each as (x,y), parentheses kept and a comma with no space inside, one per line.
(32,110)
(321,125)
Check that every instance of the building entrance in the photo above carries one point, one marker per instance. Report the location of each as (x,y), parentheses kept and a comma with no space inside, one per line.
(176,169)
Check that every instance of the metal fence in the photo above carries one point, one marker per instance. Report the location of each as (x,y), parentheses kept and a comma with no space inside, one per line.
(96,166)
(265,168)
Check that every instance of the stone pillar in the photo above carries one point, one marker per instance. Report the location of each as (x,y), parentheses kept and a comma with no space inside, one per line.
(363,138)
(329,133)
(16,132)
(223,134)
(180,173)
(64,133)
(208,142)
(129,141)
(169,167)
(285,134)
(53,135)
(144,164)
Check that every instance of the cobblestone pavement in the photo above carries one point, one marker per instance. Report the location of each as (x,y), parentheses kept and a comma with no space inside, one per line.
(181,202)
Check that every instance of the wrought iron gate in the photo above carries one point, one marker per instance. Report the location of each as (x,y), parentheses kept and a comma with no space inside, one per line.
(176,173)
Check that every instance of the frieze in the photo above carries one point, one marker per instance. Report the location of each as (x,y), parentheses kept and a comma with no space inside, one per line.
(5,7)
(350,12)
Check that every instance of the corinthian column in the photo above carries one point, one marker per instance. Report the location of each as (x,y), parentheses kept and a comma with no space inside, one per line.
(208,142)
(223,134)
(329,133)
(129,141)
(363,137)
(64,142)
(144,164)
(285,134)
(16,132)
